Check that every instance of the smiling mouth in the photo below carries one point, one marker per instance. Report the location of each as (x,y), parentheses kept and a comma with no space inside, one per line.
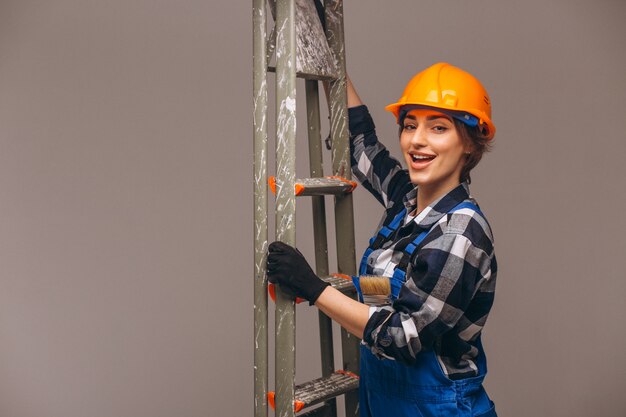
(422,158)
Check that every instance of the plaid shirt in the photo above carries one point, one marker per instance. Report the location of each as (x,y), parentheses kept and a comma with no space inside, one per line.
(450,280)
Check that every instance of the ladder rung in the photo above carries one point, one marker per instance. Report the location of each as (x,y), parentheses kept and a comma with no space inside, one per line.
(321,389)
(319,186)
(341,282)
(324,411)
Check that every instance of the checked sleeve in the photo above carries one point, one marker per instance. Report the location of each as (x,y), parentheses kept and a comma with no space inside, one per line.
(381,174)
(448,284)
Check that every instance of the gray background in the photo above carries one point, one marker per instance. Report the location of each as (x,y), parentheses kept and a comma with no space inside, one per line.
(126,198)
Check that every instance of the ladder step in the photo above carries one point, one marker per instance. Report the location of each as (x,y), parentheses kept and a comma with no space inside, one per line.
(321,389)
(314,58)
(324,411)
(313,55)
(319,186)
(341,282)
(308,75)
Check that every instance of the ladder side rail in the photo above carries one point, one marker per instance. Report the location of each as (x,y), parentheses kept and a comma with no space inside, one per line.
(320,236)
(285,198)
(344,214)
(318,205)
(259,22)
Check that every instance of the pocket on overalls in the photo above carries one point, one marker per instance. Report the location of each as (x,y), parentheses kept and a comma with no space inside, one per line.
(473,400)
(490,412)
(435,409)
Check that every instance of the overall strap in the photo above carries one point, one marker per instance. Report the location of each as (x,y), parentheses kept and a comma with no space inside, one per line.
(386,231)
(469,205)
(379,237)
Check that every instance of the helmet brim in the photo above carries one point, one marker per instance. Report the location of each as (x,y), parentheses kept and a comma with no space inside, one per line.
(483,120)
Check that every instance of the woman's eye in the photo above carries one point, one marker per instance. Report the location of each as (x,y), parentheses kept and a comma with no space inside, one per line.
(440,129)
(408,127)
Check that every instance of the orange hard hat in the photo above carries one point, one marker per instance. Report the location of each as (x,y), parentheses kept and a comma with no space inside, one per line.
(446,87)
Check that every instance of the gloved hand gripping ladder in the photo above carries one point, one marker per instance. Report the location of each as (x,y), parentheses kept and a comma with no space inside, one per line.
(317,55)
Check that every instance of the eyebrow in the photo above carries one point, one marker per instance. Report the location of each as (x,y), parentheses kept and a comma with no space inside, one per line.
(429,118)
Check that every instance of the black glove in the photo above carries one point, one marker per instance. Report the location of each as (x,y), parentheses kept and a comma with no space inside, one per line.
(287,267)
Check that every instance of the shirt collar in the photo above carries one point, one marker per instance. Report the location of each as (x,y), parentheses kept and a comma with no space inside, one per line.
(438,208)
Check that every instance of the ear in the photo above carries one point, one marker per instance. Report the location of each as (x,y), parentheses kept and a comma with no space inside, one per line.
(468,144)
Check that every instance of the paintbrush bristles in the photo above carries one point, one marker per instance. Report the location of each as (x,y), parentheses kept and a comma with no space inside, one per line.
(375,285)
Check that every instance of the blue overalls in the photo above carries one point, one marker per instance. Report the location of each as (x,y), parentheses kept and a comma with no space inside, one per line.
(392,389)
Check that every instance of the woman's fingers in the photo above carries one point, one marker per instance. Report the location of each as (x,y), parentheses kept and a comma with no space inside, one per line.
(278,246)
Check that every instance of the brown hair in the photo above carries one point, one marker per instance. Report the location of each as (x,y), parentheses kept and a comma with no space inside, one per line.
(478,143)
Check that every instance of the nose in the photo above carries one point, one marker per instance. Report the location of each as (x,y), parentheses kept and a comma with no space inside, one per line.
(418,139)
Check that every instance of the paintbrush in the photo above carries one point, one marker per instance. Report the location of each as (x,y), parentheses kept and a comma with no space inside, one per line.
(376,290)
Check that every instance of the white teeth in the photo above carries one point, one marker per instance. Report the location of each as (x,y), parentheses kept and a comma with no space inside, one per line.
(421,157)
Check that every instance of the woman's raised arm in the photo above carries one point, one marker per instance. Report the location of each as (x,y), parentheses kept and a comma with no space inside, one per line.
(353,98)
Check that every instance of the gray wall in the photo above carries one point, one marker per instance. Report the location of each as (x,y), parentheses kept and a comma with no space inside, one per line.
(126,198)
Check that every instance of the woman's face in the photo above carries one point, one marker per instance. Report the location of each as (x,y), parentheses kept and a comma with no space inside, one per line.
(432,149)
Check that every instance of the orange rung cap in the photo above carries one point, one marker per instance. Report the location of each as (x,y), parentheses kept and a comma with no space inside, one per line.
(347,181)
(344,372)
(272,182)
(271,288)
(271,396)
(344,276)
(299,188)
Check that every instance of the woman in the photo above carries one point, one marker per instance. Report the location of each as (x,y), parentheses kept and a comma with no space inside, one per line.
(421,355)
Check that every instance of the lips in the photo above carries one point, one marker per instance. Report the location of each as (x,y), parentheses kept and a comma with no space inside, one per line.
(420,160)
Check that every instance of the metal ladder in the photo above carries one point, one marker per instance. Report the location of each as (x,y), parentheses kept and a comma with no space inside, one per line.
(302,49)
